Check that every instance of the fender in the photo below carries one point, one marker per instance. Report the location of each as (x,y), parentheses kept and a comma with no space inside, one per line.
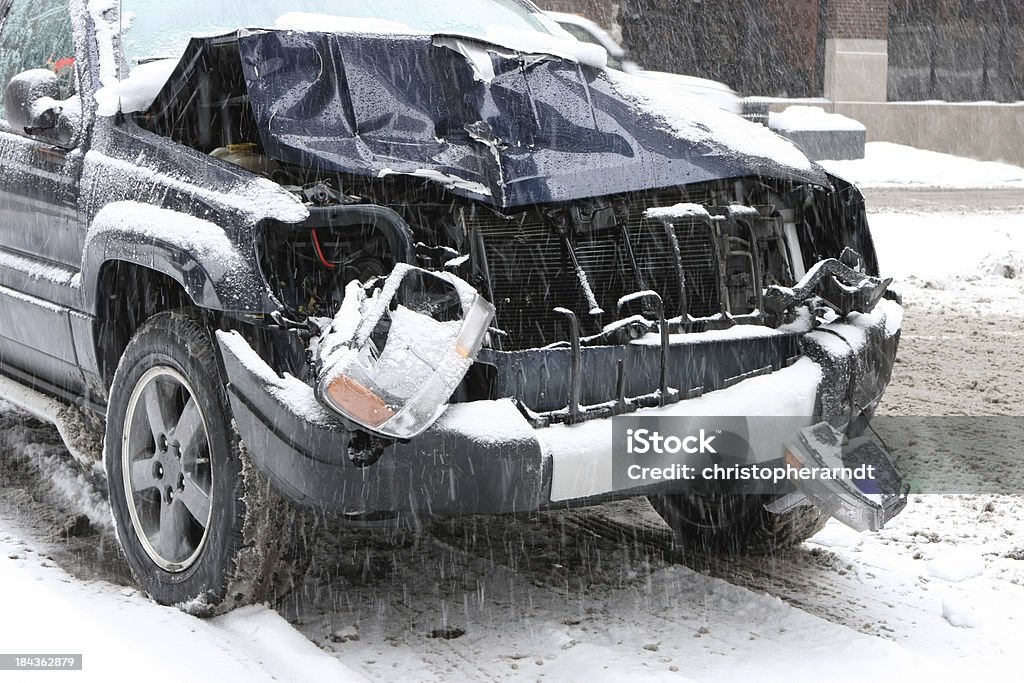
(217,272)
(201,234)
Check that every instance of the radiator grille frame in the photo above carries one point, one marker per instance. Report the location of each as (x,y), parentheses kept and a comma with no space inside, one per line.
(529,271)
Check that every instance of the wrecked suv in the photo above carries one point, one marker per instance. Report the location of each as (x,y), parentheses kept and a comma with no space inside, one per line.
(384,260)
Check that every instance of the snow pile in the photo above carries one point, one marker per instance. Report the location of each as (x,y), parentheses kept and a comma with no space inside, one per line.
(72,484)
(958,612)
(688,117)
(255,197)
(799,117)
(1006,264)
(47,454)
(941,580)
(487,422)
(117,630)
(293,394)
(886,164)
(839,536)
(282,651)
(684,210)
(956,566)
(137,92)
(937,245)
(972,263)
(153,223)
(37,270)
(102,13)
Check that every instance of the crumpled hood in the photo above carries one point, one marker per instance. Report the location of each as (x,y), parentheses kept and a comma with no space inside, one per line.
(506,127)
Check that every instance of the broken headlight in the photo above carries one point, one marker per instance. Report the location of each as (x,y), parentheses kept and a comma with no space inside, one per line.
(391,359)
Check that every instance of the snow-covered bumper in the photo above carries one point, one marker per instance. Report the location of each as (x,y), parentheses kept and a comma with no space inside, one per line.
(487,457)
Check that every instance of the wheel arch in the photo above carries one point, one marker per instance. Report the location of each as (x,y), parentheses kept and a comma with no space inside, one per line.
(141,259)
(217,267)
(128,294)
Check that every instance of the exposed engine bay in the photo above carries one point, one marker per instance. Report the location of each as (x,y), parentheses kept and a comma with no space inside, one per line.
(453,188)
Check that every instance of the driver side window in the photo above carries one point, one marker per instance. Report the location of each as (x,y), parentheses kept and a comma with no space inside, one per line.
(36,34)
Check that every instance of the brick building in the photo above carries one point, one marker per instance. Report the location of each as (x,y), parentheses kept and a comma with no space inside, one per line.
(844,50)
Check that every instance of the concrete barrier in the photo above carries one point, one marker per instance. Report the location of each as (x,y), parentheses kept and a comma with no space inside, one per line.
(990,131)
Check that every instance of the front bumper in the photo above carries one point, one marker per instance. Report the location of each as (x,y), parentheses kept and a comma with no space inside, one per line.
(485,457)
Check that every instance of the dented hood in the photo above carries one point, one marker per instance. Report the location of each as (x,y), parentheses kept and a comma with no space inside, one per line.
(506,127)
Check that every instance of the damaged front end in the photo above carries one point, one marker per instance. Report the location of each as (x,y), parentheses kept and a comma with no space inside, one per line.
(500,258)
(507,350)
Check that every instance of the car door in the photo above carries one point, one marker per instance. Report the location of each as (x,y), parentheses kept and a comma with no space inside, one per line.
(40,245)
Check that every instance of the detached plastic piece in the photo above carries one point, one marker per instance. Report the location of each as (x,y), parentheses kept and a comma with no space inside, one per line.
(396,367)
(842,287)
(862,504)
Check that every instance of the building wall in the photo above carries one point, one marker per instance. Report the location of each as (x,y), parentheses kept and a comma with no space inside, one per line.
(758,47)
(762,47)
(956,50)
(858,19)
(858,53)
(856,50)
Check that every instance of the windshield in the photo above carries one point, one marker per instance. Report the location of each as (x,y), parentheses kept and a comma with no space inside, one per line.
(157,29)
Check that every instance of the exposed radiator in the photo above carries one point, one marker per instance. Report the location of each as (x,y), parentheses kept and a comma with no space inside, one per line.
(530,271)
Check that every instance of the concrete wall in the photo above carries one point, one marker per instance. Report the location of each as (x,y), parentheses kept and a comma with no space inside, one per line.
(856,69)
(993,132)
(856,54)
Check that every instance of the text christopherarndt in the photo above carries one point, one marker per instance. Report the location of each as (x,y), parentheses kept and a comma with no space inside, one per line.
(648,442)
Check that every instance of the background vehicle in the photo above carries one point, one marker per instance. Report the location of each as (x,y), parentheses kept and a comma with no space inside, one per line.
(419,282)
(713,92)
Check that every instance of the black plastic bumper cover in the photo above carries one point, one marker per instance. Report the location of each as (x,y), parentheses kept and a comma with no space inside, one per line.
(483,457)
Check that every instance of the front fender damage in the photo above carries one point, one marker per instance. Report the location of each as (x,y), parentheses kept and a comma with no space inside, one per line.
(196,253)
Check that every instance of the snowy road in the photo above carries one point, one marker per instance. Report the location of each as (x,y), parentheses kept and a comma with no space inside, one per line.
(596,594)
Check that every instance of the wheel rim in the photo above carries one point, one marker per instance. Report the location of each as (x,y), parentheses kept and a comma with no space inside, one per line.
(167,470)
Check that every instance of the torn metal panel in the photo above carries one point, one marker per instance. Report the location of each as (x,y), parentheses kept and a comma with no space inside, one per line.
(538,129)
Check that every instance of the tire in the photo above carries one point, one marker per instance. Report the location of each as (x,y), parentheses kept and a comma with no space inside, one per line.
(735,524)
(199,527)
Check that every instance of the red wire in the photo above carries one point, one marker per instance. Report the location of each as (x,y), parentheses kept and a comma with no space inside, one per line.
(320,252)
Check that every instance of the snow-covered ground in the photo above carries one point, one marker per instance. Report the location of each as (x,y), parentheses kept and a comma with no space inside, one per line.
(964,259)
(963,262)
(118,630)
(938,595)
(886,164)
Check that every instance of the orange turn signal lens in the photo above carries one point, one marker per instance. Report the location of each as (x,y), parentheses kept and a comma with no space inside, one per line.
(358,402)
(789,457)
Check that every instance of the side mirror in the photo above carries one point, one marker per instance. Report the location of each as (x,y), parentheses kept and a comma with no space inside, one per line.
(32,105)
